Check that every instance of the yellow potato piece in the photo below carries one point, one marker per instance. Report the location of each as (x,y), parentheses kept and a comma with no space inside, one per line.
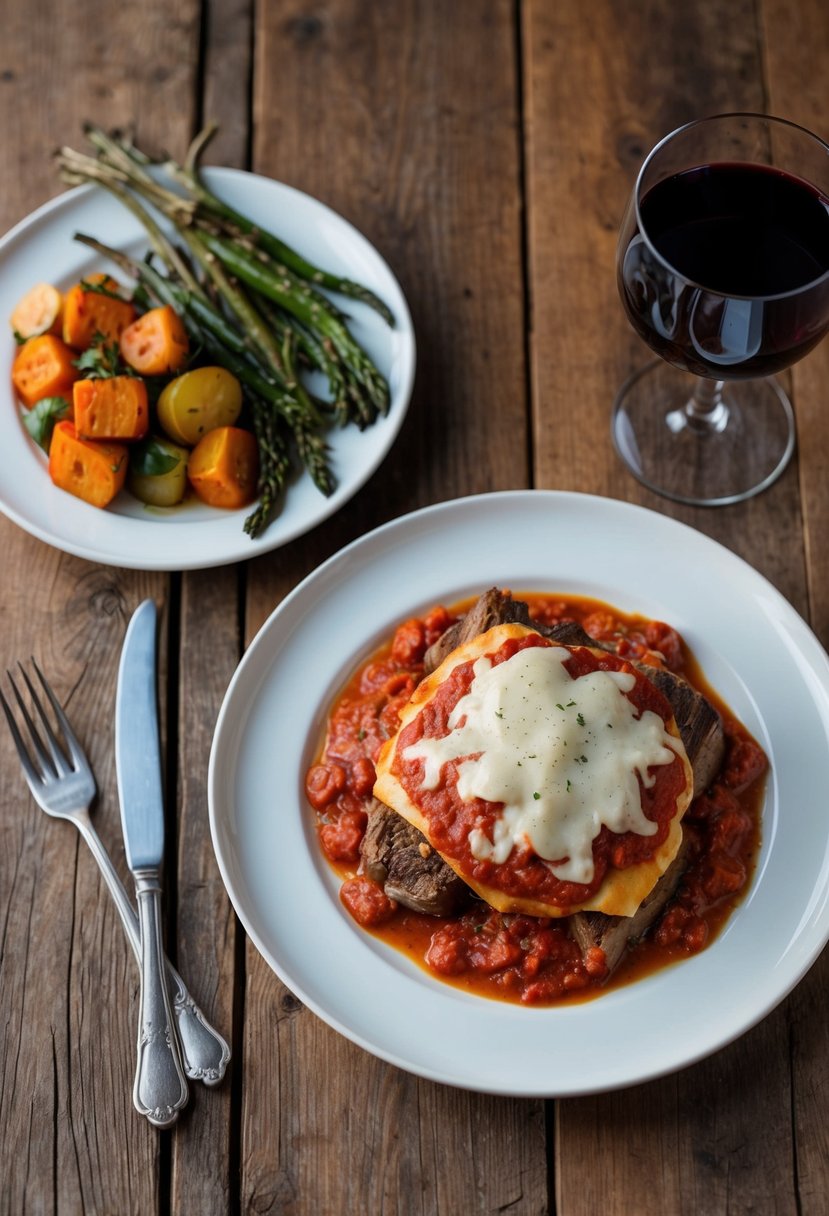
(197,402)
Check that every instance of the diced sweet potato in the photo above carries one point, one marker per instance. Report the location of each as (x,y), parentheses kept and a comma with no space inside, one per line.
(87,314)
(92,471)
(156,343)
(114,408)
(224,466)
(43,367)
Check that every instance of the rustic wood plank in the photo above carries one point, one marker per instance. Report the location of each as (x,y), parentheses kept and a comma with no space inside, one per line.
(680,1145)
(72,1141)
(797,51)
(797,46)
(344,1099)
(394,116)
(227,72)
(209,647)
(646,69)
(404,1138)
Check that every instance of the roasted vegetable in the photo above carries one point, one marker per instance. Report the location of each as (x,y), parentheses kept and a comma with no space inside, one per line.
(93,311)
(43,367)
(223,467)
(93,471)
(114,408)
(158,472)
(155,344)
(39,312)
(197,401)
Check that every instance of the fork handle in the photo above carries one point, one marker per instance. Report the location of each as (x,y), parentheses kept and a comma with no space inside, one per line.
(204,1053)
(160,1091)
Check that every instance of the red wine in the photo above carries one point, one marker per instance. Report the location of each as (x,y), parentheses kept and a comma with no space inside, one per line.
(726,274)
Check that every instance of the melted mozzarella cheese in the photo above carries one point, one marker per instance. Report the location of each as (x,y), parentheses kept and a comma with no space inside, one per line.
(563,756)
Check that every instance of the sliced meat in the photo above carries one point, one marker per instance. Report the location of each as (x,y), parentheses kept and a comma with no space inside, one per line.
(568,633)
(700,726)
(492,608)
(616,934)
(398,857)
(496,607)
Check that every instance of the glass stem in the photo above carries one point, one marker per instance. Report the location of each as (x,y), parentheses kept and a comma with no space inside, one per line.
(705,409)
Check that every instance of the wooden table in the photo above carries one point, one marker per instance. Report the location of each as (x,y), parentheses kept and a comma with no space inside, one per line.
(487,148)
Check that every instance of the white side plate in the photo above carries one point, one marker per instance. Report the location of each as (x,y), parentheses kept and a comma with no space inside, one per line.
(42,249)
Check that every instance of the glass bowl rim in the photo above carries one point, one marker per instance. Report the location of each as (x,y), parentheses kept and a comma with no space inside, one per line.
(698,122)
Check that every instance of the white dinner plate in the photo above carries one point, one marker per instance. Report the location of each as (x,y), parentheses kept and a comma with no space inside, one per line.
(755,650)
(41,248)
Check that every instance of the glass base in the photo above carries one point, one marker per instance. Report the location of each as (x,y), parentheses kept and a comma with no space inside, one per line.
(725,456)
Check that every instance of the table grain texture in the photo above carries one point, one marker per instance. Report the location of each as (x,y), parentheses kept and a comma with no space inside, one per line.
(486,147)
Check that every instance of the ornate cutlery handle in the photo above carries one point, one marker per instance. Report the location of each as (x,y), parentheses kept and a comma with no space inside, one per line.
(160,1090)
(204,1052)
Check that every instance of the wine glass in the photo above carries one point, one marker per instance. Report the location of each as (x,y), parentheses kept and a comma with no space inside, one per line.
(723,269)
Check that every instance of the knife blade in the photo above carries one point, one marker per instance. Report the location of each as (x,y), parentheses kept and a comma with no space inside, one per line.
(160,1091)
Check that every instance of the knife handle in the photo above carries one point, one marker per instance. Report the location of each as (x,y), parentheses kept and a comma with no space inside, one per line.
(160,1091)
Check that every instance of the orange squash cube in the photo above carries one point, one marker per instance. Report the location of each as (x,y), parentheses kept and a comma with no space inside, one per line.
(94,472)
(114,408)
(88,314)
(43,367)
(156,343)
(224,467)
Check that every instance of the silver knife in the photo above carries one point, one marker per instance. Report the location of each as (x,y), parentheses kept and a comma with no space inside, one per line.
(160,1091)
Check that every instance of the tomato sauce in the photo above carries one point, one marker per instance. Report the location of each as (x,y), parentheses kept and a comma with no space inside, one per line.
(520,958)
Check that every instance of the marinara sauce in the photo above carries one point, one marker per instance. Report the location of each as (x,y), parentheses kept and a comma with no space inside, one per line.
(514,957)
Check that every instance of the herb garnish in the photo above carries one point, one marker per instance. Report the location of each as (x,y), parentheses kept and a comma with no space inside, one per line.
(99,288)
(102,360)
(149,458)
(41,418)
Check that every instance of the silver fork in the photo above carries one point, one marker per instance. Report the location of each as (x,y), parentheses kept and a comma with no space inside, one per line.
(62,783)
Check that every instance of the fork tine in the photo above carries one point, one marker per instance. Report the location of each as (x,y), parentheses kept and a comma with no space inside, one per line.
(76,752)
(59,765)
(33,777)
